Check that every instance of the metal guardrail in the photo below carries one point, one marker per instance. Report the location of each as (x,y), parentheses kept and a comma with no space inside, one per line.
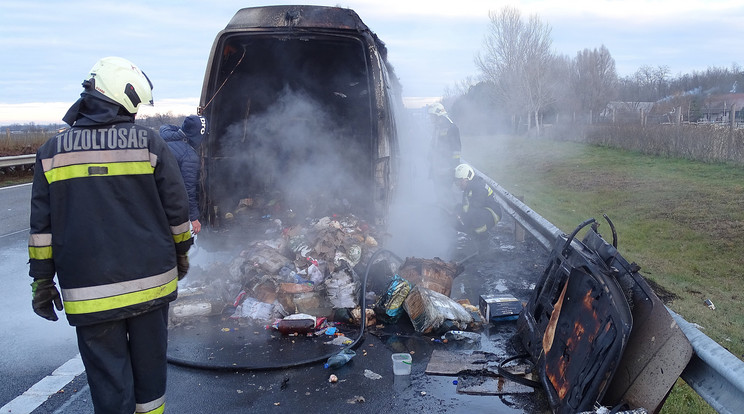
(713,372)
(17,160)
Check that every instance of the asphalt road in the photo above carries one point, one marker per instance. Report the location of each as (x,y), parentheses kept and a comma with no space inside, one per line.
(34,348)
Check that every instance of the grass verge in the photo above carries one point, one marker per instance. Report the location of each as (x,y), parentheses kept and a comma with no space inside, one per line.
(682,221)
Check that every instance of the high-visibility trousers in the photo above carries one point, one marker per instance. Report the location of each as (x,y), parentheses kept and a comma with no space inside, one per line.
(125,362)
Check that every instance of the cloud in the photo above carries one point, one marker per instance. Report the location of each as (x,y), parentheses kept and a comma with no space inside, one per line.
(431,44)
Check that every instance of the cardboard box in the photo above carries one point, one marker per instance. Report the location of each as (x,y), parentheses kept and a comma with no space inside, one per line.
(499,307)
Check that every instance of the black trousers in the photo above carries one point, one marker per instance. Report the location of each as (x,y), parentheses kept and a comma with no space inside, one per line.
(125,362)
(478,221)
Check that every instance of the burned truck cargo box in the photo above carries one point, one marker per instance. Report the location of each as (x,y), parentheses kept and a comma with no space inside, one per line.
(300,102)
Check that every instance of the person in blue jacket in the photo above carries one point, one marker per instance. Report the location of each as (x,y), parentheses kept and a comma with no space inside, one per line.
(184,143)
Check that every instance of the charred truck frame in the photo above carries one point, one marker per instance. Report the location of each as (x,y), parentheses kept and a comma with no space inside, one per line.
(300,102)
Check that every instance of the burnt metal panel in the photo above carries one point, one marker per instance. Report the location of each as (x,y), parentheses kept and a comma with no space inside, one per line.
(657,350)
(575,326)
(300,16)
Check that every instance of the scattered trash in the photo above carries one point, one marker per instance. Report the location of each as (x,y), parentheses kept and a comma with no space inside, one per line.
(390,305)
(254,309)
(340,340)
(490,385)
(434,274)
(297,324)
(358,399)
(428,310)
(446,362)
(340,359)
(342,290)
(356,315)
(372,375)
(607,410)
(196,308)
(710,304)
(401,364)
(456,336)
(333,379)
(499,307)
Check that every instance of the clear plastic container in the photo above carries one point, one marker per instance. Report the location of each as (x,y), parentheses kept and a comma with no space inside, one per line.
(401,364)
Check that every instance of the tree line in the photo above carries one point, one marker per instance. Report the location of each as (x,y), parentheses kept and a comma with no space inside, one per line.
(523,85)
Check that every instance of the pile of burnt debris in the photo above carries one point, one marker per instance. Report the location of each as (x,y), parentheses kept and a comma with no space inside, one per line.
(299,276)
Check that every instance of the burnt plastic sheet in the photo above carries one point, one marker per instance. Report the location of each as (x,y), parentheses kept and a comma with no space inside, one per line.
(575,327)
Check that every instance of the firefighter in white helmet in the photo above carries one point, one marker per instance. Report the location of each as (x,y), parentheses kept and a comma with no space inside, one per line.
(444,150)
(110,218)
(479,211)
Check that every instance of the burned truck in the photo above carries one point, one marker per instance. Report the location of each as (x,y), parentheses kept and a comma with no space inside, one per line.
(298,168)
(301,104)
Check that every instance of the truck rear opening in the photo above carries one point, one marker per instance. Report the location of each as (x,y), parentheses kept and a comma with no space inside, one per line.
(299,110)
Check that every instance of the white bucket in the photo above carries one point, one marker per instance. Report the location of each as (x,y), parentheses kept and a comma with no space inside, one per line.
(401,364)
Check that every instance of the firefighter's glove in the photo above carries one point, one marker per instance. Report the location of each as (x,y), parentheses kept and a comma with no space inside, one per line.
(182,262)
(45,298)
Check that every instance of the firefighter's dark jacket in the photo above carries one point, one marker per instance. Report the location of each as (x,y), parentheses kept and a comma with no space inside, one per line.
(478,195)
(109,214)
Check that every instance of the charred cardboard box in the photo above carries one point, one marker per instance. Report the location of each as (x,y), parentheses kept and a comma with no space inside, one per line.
(434,274)
(499,307)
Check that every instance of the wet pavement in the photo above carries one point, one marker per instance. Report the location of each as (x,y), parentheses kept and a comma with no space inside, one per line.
(220,365)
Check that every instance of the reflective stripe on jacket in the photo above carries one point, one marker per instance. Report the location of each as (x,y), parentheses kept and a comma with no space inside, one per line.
(109,213)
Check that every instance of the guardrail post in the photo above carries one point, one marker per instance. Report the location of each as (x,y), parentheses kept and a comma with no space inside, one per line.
(519,231)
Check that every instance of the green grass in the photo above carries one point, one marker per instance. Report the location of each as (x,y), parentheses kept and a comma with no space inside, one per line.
(682,221)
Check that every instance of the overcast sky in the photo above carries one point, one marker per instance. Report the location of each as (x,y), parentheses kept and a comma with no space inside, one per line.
(47,47)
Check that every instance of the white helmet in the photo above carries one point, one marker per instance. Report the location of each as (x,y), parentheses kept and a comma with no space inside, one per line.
(436,109)
(121,81)
(464,171)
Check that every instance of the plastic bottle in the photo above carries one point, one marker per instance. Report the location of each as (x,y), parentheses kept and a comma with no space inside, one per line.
(340,359)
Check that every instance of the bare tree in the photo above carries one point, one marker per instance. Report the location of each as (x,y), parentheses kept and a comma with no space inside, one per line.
(594,80)
(460,88)
(517,61)
(652,82)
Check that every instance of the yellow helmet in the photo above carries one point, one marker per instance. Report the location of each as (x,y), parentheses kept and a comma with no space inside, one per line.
(121,81)
(464,171)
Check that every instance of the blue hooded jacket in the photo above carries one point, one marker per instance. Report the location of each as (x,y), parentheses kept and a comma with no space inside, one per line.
(188,162)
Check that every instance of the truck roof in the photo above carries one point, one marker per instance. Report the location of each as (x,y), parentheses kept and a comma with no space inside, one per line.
(298,16)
